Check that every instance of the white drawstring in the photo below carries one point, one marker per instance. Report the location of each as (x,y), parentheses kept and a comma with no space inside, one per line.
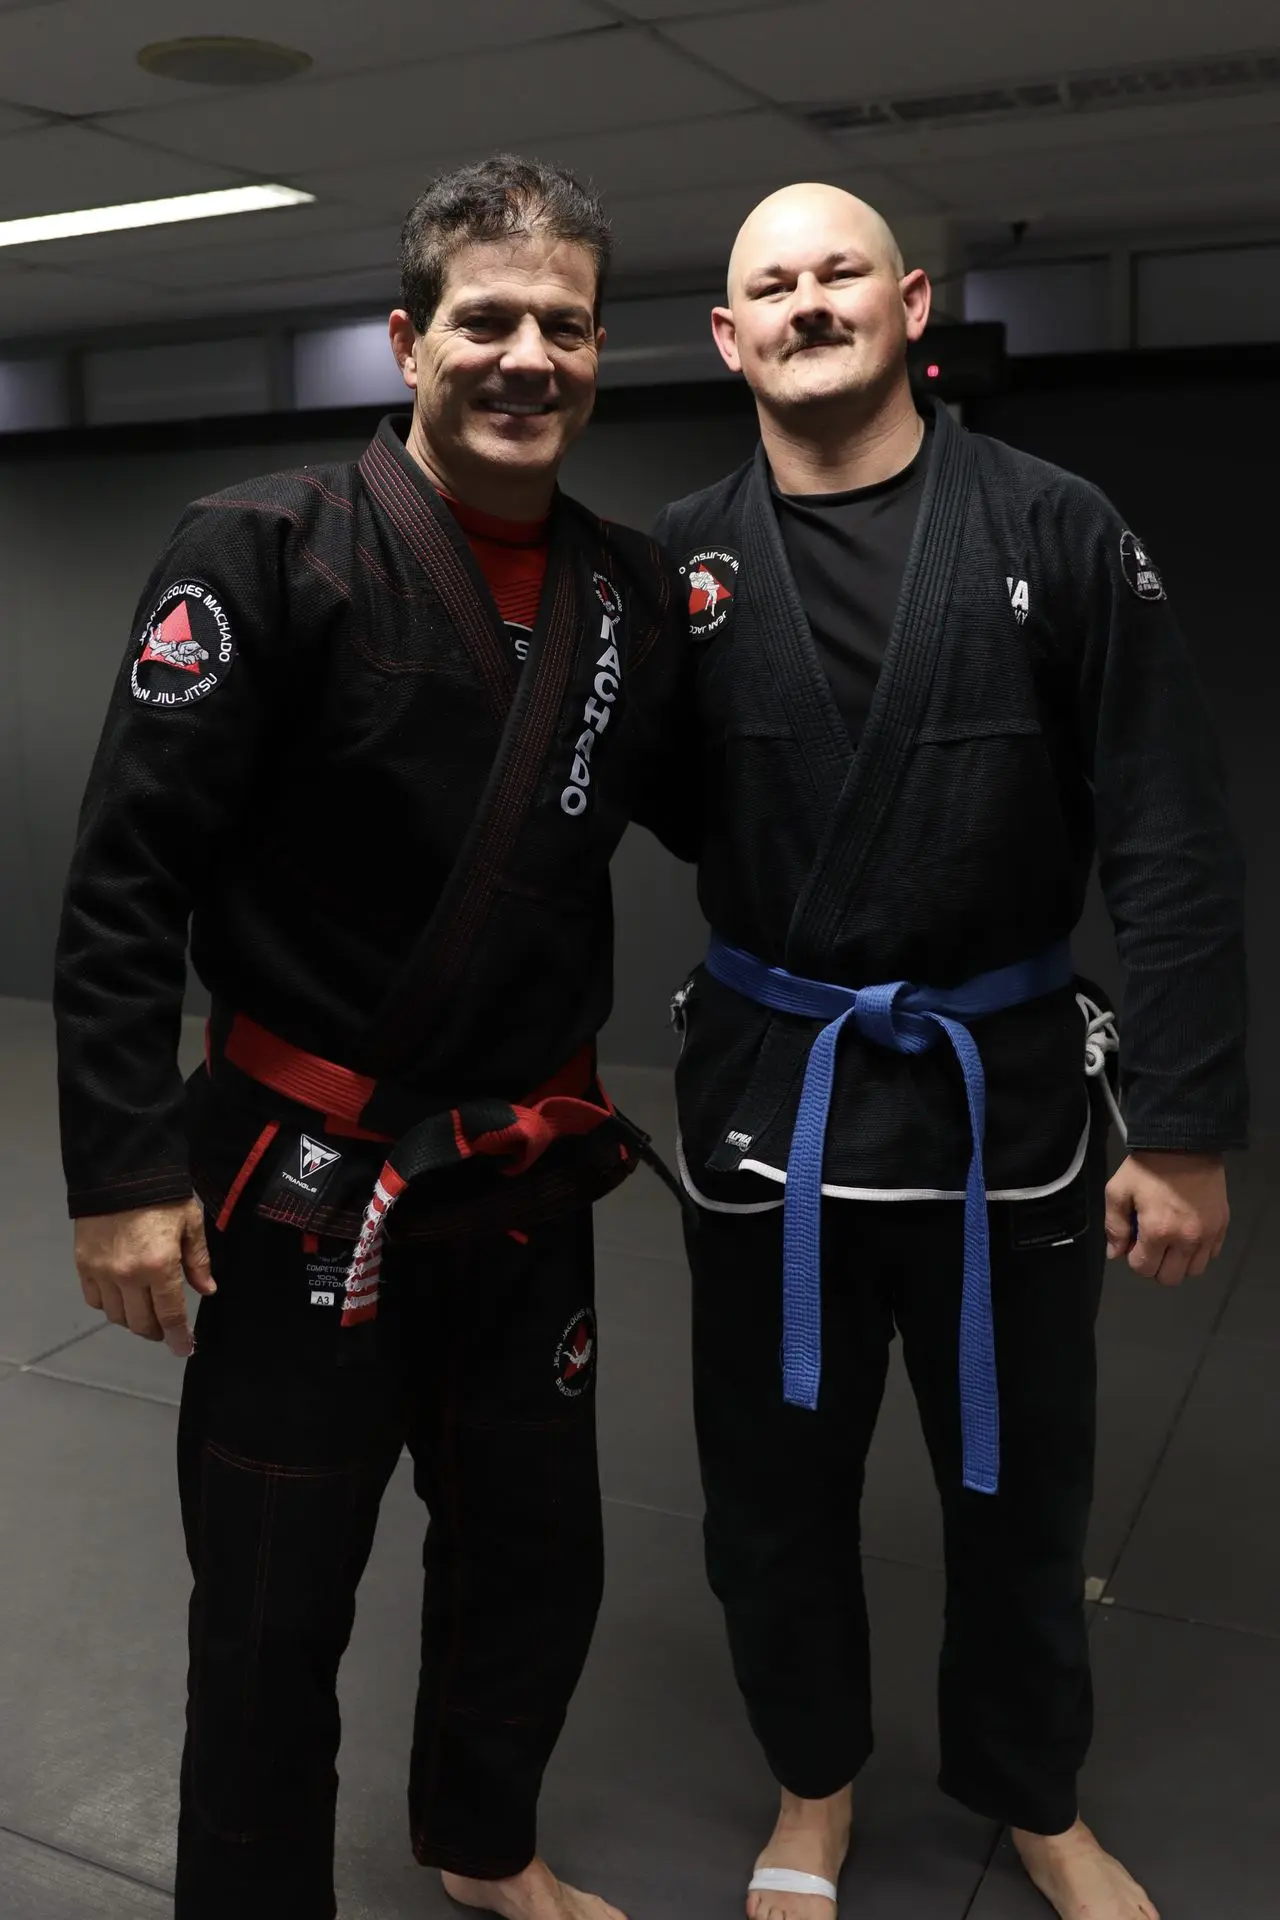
(1100,1039)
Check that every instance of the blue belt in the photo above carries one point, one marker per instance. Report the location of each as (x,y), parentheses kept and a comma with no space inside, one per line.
(909,1020)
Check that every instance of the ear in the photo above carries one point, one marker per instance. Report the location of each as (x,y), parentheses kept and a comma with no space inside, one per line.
(917,299)
(601,337)
(725,335)
(404,345)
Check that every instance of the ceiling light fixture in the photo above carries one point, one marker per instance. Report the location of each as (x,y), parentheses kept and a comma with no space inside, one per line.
(149,213)
(222,60)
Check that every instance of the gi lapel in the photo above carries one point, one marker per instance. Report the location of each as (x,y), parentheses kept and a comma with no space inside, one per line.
(897,708)
(400,488)
(417,1002)
(784,637)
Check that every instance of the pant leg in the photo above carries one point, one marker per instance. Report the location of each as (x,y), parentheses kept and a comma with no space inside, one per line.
(1015,1696)
(290,1427)
(783,1487)
(503,1436)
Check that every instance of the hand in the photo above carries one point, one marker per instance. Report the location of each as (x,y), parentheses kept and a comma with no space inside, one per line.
(1180,1203)
(132,1266)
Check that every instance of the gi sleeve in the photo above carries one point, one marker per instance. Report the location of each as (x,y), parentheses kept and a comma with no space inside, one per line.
(183,740)
(1170,864)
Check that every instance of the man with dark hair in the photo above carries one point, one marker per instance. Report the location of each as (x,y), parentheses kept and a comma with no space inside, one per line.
(378,731)
(934,674)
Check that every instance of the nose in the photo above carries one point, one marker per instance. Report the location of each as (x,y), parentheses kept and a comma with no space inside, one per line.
(810,301)
(525,351)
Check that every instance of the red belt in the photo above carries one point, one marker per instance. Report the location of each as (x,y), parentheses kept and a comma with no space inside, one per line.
(515,1134)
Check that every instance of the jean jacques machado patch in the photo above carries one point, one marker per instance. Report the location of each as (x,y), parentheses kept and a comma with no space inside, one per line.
(710,576)
(186,648)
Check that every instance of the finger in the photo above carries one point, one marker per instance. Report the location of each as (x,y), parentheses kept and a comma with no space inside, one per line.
(112,1302)
(1121,1224)
(1201,1256)
(195,1259)
(1172,1270)
(1148,1252)
(140,1314)
(170,1307)
(91,1291)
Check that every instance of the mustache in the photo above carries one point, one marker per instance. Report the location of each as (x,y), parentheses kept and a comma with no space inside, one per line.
(817,337)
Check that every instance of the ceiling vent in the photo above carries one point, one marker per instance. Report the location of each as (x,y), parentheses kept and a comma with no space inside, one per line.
(1155,83)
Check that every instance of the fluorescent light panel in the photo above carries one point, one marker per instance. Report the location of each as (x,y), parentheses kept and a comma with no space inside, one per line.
(148,213)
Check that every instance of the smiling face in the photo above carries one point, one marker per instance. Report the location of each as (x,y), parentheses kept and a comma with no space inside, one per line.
(504,377)
(820,309)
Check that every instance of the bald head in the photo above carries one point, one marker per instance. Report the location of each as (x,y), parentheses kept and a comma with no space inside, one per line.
(794,215)
(821,310)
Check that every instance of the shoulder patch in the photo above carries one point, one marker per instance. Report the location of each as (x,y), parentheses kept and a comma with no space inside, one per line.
(711,576)
(186,648)
(1139,569)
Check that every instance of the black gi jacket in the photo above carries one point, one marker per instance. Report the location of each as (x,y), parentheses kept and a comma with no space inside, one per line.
(1036,698)
(390,840)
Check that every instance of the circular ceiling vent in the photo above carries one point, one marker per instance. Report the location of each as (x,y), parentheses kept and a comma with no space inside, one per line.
(223,60)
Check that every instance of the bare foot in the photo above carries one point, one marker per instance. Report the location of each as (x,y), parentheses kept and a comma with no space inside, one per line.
(535,1894)
(1079,1880)
(812,1836)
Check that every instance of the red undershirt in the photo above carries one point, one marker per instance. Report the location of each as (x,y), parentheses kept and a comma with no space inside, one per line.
(512,555)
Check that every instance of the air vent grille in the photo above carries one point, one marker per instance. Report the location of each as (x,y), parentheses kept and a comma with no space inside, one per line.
(1151,84)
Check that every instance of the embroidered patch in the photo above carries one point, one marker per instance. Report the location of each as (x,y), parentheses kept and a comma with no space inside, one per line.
(576,1354)
(606,687)
(708,576)
(610,598)
(186,648)
(1139,568)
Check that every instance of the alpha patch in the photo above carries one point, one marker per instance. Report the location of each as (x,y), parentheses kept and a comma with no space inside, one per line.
(711,576)
(1139,568)
(185,650)
(576,1355)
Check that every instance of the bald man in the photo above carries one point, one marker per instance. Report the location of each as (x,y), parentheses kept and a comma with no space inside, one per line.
(936,676)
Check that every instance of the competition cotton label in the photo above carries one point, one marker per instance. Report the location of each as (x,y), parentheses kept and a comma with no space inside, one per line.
(186,648)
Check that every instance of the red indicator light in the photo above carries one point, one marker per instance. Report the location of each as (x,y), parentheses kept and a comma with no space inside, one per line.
(933,370)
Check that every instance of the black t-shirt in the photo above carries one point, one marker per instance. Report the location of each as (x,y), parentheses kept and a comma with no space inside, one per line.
(848,553)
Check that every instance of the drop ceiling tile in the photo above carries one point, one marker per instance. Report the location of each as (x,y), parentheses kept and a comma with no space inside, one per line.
(267,262)
(55,169)
(695,152)
(830,51)
(319,296)
(16,119)
(1153,174)
(35,301)
(663,11)
(507,98)
(103,76)
(1061,133)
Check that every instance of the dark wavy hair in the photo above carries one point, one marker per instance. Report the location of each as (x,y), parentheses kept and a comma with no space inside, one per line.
(501,196)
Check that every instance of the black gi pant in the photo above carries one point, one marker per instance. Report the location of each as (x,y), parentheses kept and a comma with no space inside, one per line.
(482,1363)
(783,1487)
